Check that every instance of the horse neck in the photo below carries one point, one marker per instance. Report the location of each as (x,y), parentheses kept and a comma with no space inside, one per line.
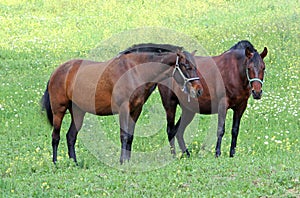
(165,64)
(168,58)
(155,68)
(241,65)
(238,63)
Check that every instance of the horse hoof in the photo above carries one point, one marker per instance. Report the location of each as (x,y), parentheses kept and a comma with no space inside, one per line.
(173,153)
(187,153)
(231,154)
(123,161)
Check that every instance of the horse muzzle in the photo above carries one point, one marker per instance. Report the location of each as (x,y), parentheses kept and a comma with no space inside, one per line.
(256,94)
(195,93)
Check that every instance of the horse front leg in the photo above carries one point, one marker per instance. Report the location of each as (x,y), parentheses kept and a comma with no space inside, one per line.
(222,111)
(127,125)
(185,119)
(126,142)
(237,115)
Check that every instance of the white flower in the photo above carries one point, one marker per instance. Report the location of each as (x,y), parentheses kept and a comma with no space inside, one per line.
(278,141)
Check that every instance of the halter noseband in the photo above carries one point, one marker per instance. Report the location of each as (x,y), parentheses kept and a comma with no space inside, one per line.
(185,79)
(253,79)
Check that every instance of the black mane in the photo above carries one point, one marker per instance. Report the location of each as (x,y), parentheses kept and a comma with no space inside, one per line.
(150,47)
(246,44)
(243,45)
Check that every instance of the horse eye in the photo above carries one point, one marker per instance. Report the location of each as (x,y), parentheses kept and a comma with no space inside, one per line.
(187,66)
(183,65)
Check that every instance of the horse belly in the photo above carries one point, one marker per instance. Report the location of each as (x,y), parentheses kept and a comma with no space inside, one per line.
(103,107)
(208,107)
(90,105)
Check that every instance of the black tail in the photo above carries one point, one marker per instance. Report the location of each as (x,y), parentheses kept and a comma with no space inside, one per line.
(45,103)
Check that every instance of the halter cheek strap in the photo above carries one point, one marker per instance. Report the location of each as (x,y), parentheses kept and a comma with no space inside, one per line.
(185,79)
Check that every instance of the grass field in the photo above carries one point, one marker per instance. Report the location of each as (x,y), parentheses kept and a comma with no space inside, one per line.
(37,36)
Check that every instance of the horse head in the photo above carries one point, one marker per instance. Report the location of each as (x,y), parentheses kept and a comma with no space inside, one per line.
(255,69)
(186,74)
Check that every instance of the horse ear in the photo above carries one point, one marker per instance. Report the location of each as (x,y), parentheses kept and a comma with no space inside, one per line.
(248,53)
(264,53)
(194,52)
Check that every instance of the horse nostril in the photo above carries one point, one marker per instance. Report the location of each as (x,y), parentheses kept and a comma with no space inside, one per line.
(256,95)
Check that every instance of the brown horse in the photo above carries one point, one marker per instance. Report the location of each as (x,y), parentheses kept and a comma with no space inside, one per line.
(228,81)
(119,86)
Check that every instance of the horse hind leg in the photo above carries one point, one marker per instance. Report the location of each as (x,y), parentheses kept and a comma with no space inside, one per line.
(171,127)
(171,132)
(58,116)
(77,119)
(170,103)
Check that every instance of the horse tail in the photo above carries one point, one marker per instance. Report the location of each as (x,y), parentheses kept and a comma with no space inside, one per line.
(45,103)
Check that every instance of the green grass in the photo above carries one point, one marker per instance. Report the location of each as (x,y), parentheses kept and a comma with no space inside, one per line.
(37,36)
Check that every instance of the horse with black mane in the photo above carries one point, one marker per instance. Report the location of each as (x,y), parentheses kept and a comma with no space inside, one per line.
(119,86)
(228,81)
